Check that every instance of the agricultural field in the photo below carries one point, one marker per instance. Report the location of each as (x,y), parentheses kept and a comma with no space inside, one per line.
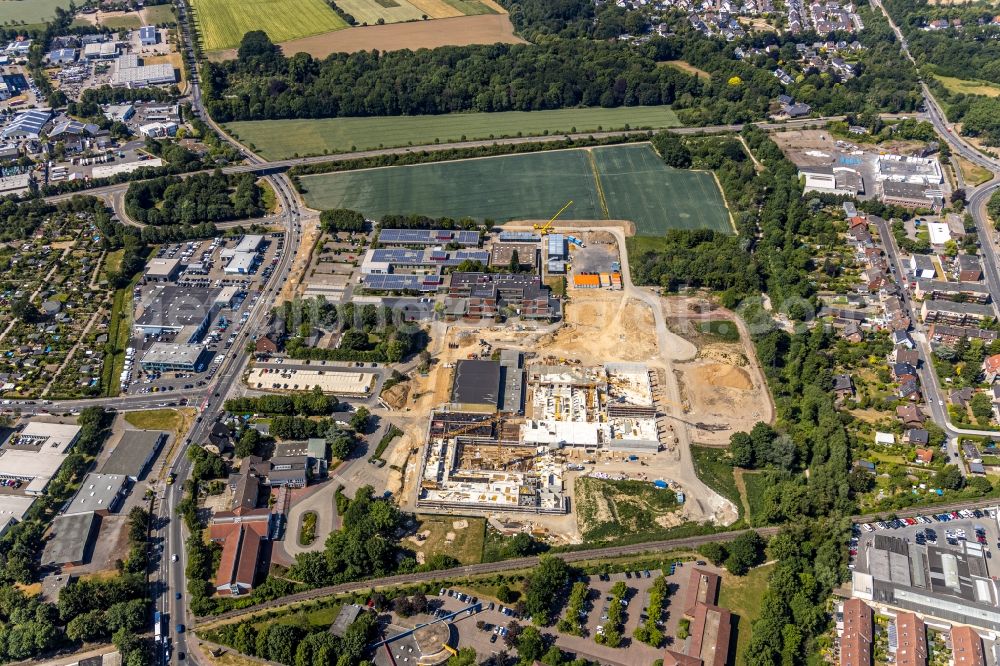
(370,12)
(282,139)
(31,12)
(222,23)
(607,509)
(614,182)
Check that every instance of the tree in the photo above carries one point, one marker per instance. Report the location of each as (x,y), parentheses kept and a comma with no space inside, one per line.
(714,552)
(741,448)
(342,219)
(949,478)
(515,262)
(530,645)
(547,582)
(23,309)
(360,419)
(672,149)
(505,594)
(745,552)
(248,442)
(465,657)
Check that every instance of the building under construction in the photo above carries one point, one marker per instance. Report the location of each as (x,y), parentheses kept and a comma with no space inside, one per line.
(482,455)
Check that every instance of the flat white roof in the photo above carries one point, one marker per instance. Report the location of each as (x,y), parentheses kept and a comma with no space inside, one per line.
(97,492)
(14,506)
(29,464)
(249,243)
(241,262)
(56,437)
(162,267)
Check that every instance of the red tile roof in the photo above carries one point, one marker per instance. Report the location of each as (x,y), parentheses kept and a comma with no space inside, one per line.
(703,587)
(710,632)
(911,640)
(856,643)
(241,545)
(966,647)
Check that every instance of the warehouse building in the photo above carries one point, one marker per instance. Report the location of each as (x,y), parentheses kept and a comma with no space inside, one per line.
(832,180)
(13,509)
(182,311)
(35,455)
(134,453)
(148,35)
(476,385)
(162,270)
(98,492)
(71,539)
(488,295)
(427,237)
(26,125)
(242,263)
(395,260)
(128,73)
(167,357)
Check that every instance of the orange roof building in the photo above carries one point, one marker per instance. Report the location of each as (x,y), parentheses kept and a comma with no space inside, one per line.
(911,641)
(241,551)
(587,281)
(710,633)
(856,641)
(703,588)
(967,647)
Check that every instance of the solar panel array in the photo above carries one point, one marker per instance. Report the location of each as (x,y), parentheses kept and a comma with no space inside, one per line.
(428,236)
(425,283)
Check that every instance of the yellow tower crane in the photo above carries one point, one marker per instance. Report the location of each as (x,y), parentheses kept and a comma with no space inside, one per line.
(545,229)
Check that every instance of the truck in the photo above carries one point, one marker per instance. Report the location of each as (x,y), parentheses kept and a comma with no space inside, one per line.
(157,626)
(575,241)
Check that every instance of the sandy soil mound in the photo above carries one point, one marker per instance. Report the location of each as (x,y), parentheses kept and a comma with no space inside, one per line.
(717,374)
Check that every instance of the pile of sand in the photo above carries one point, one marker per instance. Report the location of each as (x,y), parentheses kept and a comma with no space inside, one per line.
(717,374)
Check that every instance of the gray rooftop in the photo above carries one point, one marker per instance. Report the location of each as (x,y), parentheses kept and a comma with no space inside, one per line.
(98,492)
(71,537)
(134,451)
(476,382)
(176,307)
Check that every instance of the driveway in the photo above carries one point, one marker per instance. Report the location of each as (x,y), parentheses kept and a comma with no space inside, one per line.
(321,500)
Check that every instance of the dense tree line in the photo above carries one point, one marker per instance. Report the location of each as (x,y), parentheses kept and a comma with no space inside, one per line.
(416,221)
(341,219)
(314,403)
(262,84)
(291,645)
(194,200)
(395,340)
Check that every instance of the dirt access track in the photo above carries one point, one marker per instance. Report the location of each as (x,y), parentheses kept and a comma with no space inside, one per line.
(457,31)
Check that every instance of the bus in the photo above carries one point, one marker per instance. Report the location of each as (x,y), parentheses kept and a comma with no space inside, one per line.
(157,626)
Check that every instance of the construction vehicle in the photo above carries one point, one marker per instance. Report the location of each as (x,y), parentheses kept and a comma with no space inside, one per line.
(575,241)
(452,651)
(546,229)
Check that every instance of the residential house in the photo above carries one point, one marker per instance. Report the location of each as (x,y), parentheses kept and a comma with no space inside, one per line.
(843,386)
(911,640)
(924,456)
(991,368)
(265,344)
(916,436)
(969,268)
(921,266)
(967,647)
(911,416)
(961,397)
(856,641)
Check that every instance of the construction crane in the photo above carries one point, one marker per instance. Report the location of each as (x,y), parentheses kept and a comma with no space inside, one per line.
(545,229)
(492,421)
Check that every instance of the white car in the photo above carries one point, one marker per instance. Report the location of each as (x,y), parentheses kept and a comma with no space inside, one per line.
(173,558)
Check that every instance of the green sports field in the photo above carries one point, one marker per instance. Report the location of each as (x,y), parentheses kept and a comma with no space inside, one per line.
(280,139)
(222,23)
(29,11)
(614,182)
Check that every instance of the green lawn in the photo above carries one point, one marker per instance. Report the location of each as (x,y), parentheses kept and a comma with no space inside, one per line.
(29,11)
(742,595)
(222,23)
(722,330)
(968,86)
(712,467)
(125,22)
(160,14)
(756,483)
(279,139)
(533,186)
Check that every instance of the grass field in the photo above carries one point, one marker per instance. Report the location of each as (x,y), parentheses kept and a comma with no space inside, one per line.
(618,182)
(29,11)
(685,67)
(124,22)
(606,509)
(222,23)
(742,595)
(465,545)
(968,86)
(170,420)
(281,139)
(160,14)
(369,12)
(756,483)
(973,174)
(721,330)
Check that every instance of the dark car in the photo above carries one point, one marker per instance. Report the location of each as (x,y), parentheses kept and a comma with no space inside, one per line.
(177,595)
(179,628)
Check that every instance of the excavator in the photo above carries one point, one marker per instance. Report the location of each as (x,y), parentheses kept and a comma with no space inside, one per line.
(546,229)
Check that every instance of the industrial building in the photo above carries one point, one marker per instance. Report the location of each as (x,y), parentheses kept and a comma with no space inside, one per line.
(70,539)
(427,284)
(833,180)
(162,270)
(98,492)
(428,260)
(148,35)
(128,73)
(904,169)
(26,125)
(242,551)
(183,311)
(13,509)
(100,50)
(242,263)
(911,195)
(943,582)
(168,357)
(34,455)
(427,237)
(134,452)
(489,295)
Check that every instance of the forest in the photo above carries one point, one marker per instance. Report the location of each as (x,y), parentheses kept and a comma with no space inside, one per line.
(198,199)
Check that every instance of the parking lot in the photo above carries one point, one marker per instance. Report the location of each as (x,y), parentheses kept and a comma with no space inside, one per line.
(940,529)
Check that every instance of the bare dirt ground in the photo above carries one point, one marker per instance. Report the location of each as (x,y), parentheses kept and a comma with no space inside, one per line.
(456,31)
(310,235)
